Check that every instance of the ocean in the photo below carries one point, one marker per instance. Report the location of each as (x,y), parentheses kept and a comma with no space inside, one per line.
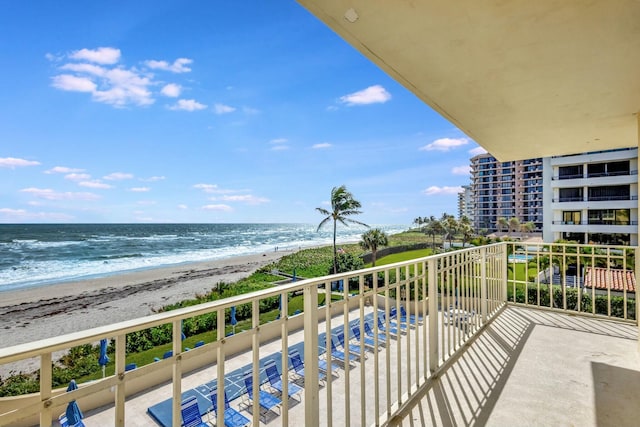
(43,254)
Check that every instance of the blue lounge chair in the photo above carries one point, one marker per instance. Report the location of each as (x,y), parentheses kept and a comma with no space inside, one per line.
(393,315)
(130,367)
(298,366)
(191,414)
(381,327)
(232,418)
(199,344)
(382,338)
(167,354)
(65,423)
(340,356)
(268,402)
(412,317)
(369,343)
(275,381)
(354,349)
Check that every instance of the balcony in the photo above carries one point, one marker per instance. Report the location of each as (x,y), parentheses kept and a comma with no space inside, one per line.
(495,328)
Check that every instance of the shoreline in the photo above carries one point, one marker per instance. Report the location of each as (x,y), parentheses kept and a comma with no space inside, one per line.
(32,314)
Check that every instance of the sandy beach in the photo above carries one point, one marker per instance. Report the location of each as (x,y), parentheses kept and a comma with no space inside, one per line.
(37,313)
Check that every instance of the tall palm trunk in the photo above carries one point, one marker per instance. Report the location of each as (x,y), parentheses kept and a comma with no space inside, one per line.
(335,249)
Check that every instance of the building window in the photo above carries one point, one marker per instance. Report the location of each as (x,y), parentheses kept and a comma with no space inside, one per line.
(609,216)
(569,172)
(571,194)
(610,238)
(608,169)
(612,192)
(571,217)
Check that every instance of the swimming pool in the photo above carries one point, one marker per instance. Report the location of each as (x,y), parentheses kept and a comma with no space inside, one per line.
(520,258)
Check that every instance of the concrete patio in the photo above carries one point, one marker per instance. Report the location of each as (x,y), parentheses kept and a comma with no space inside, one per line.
(527,367)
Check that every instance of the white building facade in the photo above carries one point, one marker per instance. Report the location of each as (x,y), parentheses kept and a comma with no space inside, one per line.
(592,197)
(465,205)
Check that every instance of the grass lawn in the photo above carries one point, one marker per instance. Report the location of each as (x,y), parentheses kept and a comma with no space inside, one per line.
(403,256)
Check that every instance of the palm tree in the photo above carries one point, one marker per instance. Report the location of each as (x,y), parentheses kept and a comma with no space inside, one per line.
(502,224)
(514,224)
(372,240)
(433,228)
(450,226)
(343,205)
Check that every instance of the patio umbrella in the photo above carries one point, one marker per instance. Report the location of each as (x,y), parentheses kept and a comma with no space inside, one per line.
(103,359)
(73,412)
(233,320)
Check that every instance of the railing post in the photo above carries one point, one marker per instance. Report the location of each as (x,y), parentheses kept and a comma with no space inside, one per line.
(483,284)
(311,358)
(505,271)
(121,348)
(220,337)
(45,388)
(177,373)
(637,272)
(433,316)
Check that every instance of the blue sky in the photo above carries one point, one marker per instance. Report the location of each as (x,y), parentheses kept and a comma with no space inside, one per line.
(242,111)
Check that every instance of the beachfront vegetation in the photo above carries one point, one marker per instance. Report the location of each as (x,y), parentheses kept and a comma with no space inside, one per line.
(343,205)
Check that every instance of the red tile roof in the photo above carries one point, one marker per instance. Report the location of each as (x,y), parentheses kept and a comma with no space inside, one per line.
(603,278)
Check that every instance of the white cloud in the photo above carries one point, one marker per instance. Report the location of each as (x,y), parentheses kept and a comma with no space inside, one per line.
(101,55)
(118,176)
(77,176)
(278,141)
(12,162)
(371,95)
(445,144)
(63,169)
(183,207)
(124,87)
(96,70)
(171,90)
(218,208)
(188,105)
(321,146)
(178,66)
(147,202)
(140,189)
(435,190)
(245,198)
(477,150)
(215,189)
(95,184)
(48,194)
(223,109)
(153,179)
(73,84)
(107,83)
(461,170)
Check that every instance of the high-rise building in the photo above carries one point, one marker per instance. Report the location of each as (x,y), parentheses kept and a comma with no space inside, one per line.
(465,205)
(505,189)
(592,197)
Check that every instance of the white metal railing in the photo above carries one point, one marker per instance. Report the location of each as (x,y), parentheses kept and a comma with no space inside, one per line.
(582,279)
(421,313)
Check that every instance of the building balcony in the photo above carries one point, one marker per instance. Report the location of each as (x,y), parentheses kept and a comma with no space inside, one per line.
(591,180)
(486,329)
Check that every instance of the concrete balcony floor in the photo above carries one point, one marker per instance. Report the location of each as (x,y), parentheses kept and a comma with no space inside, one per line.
(528,367)
(539,368)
